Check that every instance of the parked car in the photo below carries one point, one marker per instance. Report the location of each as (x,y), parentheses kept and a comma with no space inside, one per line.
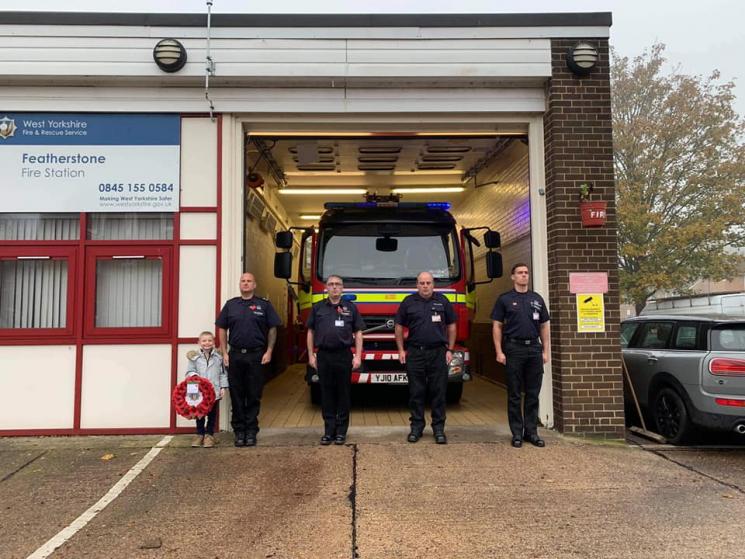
(688,372)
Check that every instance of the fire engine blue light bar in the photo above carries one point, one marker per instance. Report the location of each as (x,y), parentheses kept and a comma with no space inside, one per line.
(403,205)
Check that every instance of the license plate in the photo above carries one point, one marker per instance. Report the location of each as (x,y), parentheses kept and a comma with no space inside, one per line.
(389,378)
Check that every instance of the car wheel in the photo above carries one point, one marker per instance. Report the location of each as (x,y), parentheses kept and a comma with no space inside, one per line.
(671,416)
(454,392)
(315,394)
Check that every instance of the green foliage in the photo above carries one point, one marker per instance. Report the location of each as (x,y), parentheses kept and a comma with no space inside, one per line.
(680,172)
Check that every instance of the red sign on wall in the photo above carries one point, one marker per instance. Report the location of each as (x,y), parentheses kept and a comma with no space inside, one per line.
(588,282)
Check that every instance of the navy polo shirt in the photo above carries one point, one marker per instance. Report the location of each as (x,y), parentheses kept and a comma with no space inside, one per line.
(248,321)
(520,313)
(427,319)
(334,325)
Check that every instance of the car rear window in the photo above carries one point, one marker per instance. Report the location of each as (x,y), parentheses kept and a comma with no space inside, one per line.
(728,338)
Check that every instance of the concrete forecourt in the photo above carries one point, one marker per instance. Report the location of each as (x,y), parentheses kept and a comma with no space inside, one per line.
(377,497)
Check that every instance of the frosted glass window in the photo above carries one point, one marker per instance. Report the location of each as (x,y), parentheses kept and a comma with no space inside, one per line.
(33,293)
(130,226)
(39,227)
(129,292)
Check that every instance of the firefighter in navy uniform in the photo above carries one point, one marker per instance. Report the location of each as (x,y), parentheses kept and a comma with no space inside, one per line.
(520,329)
(431,321)
(251,322)
(334,325)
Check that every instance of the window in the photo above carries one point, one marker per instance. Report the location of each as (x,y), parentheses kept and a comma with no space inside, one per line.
(39,227)
(130,226)
(686,336)
(655,335)
(627,332)
(128,292)
(36,291)
(728,338)
(306,254)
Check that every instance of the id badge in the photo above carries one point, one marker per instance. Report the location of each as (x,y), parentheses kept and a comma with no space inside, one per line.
(338,323)
(536,316)
(436,318)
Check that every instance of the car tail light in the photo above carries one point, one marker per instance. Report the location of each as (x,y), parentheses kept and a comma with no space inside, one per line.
(725,366)
(730,402)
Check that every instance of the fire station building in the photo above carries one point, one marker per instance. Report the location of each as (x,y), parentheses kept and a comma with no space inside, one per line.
(147,160)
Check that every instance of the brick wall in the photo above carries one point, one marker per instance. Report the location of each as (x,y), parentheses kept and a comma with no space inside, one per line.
(587,383)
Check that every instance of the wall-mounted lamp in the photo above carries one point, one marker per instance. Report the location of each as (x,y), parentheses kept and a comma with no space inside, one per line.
(582,58)
(169,55)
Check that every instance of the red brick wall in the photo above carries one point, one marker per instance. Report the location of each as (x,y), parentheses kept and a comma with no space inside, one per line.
(587,377)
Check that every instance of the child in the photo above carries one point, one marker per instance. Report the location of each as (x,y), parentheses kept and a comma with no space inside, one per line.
(207,363)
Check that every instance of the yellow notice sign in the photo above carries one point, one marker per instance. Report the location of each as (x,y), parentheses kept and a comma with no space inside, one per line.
(590,312)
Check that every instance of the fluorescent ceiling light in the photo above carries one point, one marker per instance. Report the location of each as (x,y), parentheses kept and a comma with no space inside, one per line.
(311,216)
(322,191)
(433,190)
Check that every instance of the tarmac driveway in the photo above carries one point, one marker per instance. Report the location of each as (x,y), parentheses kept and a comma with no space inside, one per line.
(376,497)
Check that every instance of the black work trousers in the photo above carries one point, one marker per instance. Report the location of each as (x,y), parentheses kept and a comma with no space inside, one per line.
(428,375)
(335,375)
(246,378)
(524,374)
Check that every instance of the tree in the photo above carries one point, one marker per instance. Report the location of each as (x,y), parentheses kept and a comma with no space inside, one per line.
(680,172)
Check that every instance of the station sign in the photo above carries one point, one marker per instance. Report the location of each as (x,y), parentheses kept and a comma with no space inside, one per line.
(60,162)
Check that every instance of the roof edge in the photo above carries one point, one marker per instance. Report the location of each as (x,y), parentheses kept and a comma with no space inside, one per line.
(570,19)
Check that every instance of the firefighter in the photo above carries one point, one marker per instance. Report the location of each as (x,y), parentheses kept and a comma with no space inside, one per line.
(334,325)
(431,321)
(252,323)
(520,329)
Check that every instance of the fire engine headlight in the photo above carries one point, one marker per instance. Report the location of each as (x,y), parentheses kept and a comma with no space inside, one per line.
(456,363)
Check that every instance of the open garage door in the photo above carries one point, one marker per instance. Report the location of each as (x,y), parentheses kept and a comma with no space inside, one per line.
(299,180)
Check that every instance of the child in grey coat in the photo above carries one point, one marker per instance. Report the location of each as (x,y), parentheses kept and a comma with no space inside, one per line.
(207,363)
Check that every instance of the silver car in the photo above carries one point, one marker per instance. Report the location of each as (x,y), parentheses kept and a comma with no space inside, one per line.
(688,372)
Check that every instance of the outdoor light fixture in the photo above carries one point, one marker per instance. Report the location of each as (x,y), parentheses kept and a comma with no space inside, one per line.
(435,190)
(169,55)
(322,191)
(582,58)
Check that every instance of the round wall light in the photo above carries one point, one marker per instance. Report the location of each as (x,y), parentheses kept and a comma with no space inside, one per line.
(582,58)
(169,55)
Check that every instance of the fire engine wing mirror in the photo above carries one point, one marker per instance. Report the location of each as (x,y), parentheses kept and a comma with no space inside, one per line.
(492,239)
(493,264)
(283,265)
(386,244)
(283,240)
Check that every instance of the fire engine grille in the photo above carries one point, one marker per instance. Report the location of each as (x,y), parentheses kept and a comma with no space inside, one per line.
(376,321)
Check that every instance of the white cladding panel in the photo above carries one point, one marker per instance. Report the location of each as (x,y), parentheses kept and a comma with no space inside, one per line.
(197,288)
(197,166)
(105,52)
(198,226)
(39,385)
(126,386)
(198,160)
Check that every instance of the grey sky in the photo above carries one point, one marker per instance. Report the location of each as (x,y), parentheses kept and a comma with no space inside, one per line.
(700,37)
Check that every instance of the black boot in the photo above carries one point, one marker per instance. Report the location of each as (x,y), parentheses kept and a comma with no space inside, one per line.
(240,439)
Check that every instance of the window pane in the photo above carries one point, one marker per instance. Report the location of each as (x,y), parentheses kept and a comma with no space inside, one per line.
(130,226)
(686,337)
(39,227)
(655,335)
(627,332)
(129,292)
(728,338)
(33,293)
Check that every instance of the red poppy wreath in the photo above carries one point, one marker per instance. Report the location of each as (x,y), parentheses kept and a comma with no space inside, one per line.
(193,397)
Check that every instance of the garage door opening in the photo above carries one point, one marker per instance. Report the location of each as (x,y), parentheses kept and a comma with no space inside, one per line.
(294,181)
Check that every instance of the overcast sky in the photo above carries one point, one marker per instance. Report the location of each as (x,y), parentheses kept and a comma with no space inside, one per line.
(700,36)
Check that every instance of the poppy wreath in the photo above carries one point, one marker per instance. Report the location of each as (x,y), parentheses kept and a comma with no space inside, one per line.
(181,402)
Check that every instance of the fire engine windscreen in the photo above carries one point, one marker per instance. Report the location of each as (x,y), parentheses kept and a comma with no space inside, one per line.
(350,252)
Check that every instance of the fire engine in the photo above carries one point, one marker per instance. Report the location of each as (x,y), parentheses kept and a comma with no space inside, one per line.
(378,247)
